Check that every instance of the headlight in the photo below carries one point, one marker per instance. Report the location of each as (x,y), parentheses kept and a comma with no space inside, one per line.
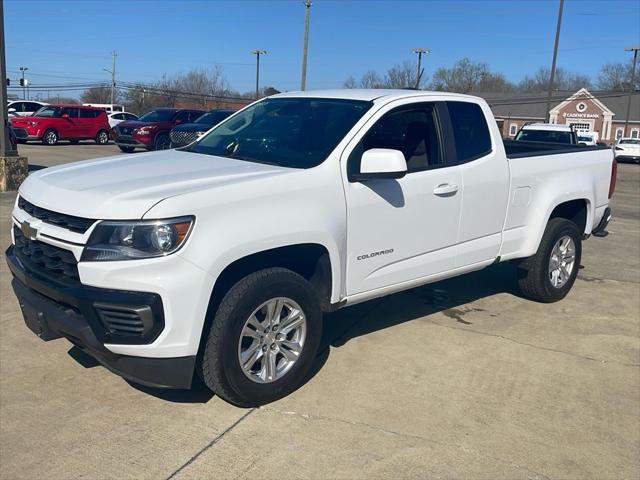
(132,240)
(33,124)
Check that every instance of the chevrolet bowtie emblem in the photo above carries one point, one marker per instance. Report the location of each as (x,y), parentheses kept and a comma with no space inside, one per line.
(28,230)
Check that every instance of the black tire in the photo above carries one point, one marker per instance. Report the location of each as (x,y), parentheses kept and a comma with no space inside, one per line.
(50,137)
(533,273)
(102,137)
(162,142)
(220,366)
(126,149)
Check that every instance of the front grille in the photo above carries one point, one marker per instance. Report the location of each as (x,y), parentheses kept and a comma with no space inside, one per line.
(53,262)
(75,224)
(127,320)
(20,133)
(183,138)
(125,130)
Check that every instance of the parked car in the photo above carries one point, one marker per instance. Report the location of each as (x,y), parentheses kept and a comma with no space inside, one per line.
(547,132)
(222,256)
(63,122)
(118,117)
(189,132)
(628,150)
(588,138)
(151,130)
(24,107)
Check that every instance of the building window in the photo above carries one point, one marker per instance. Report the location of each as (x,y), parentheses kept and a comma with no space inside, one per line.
(513,129)
(581,127)
(634,133)
(619,133)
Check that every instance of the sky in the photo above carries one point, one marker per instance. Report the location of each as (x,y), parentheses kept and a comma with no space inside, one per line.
(67,41)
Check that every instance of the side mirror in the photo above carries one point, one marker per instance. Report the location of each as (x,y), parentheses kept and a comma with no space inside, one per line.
(65,115)
(381,163)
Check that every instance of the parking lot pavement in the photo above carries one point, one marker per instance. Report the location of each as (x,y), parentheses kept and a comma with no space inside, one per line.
(458,379)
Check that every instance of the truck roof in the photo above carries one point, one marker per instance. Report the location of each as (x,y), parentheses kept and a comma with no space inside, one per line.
(369,94)
(547,126)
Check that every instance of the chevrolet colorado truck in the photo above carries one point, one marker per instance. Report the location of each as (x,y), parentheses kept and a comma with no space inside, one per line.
(220,258)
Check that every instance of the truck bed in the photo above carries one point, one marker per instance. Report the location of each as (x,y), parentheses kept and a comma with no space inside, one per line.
(519,149)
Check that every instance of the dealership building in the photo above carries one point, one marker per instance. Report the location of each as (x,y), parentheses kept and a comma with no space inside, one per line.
(601,112)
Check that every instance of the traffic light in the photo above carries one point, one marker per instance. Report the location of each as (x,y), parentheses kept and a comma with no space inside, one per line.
(22,82)
(8,82)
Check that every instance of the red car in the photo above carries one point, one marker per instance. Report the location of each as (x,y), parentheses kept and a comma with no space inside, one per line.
(151,130)
(63,122)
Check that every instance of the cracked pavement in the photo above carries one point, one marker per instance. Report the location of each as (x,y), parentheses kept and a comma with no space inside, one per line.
(457,379)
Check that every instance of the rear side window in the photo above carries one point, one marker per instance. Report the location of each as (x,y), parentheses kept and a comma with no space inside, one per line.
(72,112)
(86,113)
(470,131)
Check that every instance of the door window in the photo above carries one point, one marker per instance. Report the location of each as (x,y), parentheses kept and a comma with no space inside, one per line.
(470,131)
(411,129)
(183,117)
(72,112)
(86,113)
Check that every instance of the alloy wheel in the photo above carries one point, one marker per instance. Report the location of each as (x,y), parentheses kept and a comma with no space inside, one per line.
(561,263)
(272,340)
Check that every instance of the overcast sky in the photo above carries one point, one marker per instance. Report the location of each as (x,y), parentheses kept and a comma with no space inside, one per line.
(69,41)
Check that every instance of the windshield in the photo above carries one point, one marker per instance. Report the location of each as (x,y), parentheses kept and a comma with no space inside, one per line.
(157,116)
(290,132)
(48,112)
(632,142)
(553,136)
(212,118)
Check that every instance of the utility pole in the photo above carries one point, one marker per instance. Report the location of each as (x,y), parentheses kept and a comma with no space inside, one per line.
(419,51)
(305,46)
(6,149)
(113,76)
(633,49)
(257,53)
(553,63)
(24,82)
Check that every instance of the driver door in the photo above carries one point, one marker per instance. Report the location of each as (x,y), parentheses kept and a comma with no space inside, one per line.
(403,229)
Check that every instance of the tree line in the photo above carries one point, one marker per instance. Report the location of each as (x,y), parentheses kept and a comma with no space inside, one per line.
(209,88)
(467,76)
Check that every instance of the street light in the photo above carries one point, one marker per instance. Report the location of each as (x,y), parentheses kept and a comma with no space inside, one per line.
(633,49)
(419,51)
(257,53)
(24,84)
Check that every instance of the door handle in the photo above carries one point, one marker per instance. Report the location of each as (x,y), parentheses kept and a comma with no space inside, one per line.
(445,189)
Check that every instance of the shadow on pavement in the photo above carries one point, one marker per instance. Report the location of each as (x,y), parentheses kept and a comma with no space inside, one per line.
(341,326)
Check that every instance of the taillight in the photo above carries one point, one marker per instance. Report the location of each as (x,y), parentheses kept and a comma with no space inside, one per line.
(614,176)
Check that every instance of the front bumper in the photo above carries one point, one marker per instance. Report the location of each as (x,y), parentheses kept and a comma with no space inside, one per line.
(627,158)
(23,134)
(127,141)
(52,311)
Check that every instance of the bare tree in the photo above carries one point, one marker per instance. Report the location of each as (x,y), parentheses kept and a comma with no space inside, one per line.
(402,75)
(370,79)
(616,77)
(564,80)
(62,100)
(350,83)
(99,95)
(468,76)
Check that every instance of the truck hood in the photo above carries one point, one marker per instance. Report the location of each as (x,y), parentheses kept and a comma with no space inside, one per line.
(127,186)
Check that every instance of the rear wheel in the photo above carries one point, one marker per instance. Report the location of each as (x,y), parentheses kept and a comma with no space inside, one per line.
(126,149)
(102,138)
(50,137)
(551,272)
(162,142)
(263,339)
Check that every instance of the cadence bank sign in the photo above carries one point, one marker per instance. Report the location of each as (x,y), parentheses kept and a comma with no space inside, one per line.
(580,115)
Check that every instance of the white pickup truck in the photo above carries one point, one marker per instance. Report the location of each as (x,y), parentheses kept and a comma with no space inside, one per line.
(221,257)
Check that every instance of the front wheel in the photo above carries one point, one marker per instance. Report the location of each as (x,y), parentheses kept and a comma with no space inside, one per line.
(50,137)
(102,138)
(551,272)
(263,339)
(162,142)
